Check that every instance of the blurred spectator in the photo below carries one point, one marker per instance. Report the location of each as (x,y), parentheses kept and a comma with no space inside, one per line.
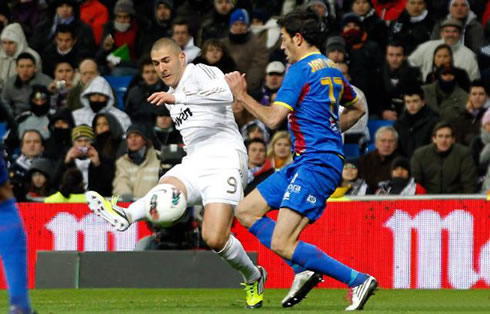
(365,60)
(136,106)
(416,122)
(443,57)
(71,188)
(95,14)
(279,150)
(397,75)
(39,175)
(108,138)
(486,15)
(64,76)
(137,170)
(164,130)
(98,98)
(60,127)
(163,14)
(214,53)
(88,70)
(388,10)
(444,167)
(31,147)
(326,10)
(259,167)
(401,181)
(359,132)
(13,44)
(451,32)
(37,118)
(371,23)
(62,12)
(4,14)
(444,96)
(274,74)
(267,30)
(468,125)
(97,172)
(335,49)
(351,183)
(28,13)
(193,11)
(64,48)
(255,129)
(249,54)
(17,88)
(181,33)
(123,41)
(216,23)
(375,166)
(484,152)
(472,31)
(413,27)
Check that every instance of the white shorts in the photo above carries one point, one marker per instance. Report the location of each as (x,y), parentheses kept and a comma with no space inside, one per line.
(213,177)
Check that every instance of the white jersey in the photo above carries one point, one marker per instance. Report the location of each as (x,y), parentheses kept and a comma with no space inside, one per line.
(202,110)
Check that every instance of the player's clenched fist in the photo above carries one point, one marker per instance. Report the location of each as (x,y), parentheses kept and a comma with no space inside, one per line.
(161,98)
(237,83)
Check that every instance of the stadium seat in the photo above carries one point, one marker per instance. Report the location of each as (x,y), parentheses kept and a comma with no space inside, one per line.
(3,129)
(351,151)
(120,86)
(374,125)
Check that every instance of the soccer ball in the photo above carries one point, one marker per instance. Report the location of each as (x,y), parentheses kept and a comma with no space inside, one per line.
(165,205)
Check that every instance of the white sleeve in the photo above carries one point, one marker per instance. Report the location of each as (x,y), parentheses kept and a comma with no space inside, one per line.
(210,88)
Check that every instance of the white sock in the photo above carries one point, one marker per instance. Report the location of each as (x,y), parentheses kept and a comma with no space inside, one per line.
(136,211)
(234,254)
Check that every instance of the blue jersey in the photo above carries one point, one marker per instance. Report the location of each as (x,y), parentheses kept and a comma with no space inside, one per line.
(312,90)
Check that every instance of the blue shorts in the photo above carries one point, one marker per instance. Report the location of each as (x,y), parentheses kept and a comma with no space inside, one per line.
(303,186)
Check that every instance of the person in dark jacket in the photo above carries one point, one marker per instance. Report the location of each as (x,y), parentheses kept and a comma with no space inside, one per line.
(416,123)
(401,182)
(444,167)
(136,106)
(366,60)
(467,127)
(397,75)
(413,27)
(62,12)
(376,165)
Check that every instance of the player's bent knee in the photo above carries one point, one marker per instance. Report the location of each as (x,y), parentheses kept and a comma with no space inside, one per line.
(279,247)
(245,218)
(215,241)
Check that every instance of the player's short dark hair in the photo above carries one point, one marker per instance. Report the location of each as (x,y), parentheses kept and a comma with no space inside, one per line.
(414,90)
(66,28)
(25,55)
(442,125)
(255,140)
(306,23)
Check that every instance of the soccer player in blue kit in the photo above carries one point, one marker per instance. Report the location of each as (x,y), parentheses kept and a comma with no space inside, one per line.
(309,97)
(13,246)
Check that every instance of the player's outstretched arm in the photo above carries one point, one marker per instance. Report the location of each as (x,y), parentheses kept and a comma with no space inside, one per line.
(351,115)
(272,116)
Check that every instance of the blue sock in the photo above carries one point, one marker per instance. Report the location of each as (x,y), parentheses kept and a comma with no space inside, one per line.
(13,252)
(312,258)
(263,229)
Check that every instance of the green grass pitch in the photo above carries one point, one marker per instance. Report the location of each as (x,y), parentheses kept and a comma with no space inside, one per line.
(219,301)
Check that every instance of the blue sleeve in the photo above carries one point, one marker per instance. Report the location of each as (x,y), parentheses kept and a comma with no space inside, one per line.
(291,88)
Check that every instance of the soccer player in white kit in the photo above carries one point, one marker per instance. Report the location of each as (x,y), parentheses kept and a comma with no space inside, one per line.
(214,171)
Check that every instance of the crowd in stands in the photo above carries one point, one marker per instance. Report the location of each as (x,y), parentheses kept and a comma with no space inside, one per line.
(422,67)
